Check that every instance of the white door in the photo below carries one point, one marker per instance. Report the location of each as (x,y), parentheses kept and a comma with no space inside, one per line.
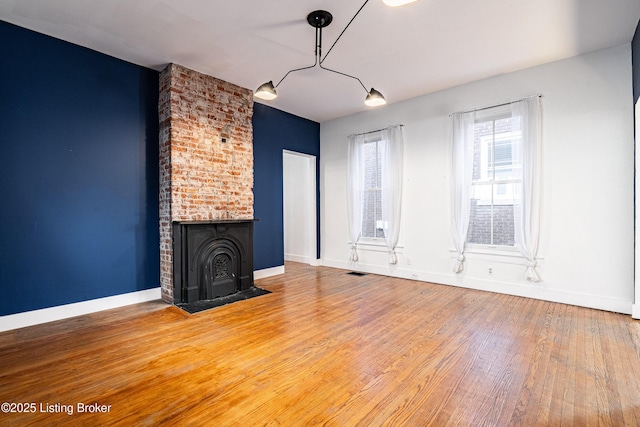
(299,210)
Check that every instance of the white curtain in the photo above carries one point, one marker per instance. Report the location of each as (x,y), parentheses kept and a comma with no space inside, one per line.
(355,190)
(461,138)
(392,187)
(526,202)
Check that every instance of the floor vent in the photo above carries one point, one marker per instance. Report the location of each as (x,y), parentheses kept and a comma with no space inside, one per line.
(357,273)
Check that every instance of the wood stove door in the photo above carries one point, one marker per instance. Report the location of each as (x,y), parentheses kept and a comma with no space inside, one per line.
(219,275)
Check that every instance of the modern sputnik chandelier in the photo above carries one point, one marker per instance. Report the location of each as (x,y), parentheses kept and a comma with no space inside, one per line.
(319,19)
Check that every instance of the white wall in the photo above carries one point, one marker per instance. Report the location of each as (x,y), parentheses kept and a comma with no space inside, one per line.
(586,248)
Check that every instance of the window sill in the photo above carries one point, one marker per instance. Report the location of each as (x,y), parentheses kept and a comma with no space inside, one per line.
(503,254)
(376,245)
(492,250)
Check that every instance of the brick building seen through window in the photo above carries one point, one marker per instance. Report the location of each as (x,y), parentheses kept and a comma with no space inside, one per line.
(374,150)
(491,218)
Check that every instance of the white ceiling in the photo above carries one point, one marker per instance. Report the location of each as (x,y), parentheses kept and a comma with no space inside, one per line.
(403,52)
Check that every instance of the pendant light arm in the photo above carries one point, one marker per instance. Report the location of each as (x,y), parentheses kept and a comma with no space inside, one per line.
(317,54)
(346,75)
(320,19)
(297,69)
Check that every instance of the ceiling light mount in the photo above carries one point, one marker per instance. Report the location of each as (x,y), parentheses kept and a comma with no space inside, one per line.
(320,19)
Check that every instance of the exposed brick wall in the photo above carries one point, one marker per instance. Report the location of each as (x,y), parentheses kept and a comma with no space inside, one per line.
(480,224)
(202,177)
(372,201)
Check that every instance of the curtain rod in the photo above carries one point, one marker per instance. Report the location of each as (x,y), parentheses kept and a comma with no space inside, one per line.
(497,105)
(374,131)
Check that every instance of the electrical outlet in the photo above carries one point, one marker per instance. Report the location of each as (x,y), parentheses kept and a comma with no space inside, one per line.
(409,261)
(490,271)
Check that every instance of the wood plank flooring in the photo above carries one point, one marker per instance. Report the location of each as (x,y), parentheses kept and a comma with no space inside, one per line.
(328,348)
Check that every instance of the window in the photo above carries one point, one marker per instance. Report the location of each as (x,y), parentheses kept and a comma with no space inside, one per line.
(374,152)
(495,174)
(374,188)
(495,179)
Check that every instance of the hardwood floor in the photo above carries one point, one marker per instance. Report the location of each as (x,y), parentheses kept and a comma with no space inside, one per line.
(328,348)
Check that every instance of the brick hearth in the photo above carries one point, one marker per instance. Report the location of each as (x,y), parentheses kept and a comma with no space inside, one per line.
(206,155)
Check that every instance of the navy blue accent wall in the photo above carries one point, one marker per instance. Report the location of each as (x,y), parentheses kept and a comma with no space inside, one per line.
(274,131)
(79,173)
(635,61)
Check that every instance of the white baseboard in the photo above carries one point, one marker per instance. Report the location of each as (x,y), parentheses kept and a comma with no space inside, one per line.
(268,272)
(51,314)
(518,289)
(301,259)
(635,311)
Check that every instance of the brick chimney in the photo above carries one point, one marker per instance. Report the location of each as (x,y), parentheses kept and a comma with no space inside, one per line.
(206,155)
